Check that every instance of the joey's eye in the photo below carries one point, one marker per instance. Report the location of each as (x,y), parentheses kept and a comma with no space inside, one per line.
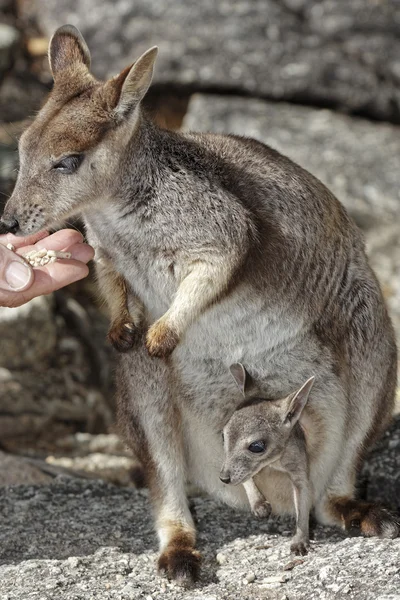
(69,164)
(257,447)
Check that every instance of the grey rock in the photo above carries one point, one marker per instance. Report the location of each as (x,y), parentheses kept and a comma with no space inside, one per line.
(46,375)
(9,37)
(75,539)
(28,333)
(15,470)
(324,52)
(357,159)
(381,472)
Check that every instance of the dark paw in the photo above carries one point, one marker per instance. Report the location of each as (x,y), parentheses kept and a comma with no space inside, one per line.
(299,548)
(161,340)
(372,520)
(124,336)
(354,528)
(261,510)
(181,565)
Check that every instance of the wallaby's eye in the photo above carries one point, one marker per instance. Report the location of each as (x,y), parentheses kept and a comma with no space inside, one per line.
(69,164)
(257,447)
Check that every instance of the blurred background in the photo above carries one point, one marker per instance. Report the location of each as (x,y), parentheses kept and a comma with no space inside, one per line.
(317,79)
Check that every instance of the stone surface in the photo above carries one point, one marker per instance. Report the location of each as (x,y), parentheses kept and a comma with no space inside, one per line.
(357,159)
(325,52)
(15,470)
(381,473)
(75,539)
(28,333)
(50,372)
(9,37)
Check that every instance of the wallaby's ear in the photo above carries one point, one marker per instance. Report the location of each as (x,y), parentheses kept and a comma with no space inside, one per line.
(129,87)
(67,49)
(297,402)
(240,376)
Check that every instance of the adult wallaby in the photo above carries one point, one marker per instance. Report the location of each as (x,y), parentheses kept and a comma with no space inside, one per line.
(267,433)
(231,253)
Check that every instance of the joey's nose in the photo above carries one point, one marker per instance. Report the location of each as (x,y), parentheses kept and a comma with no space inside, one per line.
(225,478)
(9,225)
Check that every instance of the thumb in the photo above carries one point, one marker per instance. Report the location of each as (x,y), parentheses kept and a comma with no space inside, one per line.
(15,274)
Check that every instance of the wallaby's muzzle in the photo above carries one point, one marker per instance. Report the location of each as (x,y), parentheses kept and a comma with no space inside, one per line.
(9,225)
(225,477)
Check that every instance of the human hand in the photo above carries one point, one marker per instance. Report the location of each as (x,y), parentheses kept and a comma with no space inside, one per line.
(19,282)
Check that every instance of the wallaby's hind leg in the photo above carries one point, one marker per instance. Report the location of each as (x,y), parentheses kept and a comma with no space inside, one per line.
(150,420)
(338,505)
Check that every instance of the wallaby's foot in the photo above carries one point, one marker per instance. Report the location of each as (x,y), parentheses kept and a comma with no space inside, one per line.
(180,564)
(161,339)
(261,509)
(124,335)
(365,518)
(299,547)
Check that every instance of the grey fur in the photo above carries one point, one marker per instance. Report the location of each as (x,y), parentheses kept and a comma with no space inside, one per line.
(276,425)
(236,254)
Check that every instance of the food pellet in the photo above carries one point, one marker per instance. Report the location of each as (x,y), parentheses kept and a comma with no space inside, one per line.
(40,258)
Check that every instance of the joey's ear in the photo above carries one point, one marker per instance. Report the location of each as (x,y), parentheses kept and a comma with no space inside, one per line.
(67,49)
(297,402)
(240,375)
(127,89)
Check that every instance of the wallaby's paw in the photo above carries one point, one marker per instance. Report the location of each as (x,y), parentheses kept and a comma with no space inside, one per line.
(124,335)
(373,520)
(181,565)
(161,339)
(299,548)
(261,509)
(365,518)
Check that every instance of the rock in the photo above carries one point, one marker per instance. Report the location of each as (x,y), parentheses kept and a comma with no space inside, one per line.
(115,469)
(355,158)
(76,538)
(9,37)
(15,470)
(381,472)
(46,375)
(28,333)
(328,53)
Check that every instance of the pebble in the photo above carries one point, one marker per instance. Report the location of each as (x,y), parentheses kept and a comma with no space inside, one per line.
(250,577)
(275,580)
(221,558)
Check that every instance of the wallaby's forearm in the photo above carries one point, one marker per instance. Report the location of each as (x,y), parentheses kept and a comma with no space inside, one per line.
(126,322)
(205,282)
(260,507)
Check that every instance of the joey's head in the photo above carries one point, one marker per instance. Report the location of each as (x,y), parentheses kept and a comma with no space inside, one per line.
(71,154)
(258,431)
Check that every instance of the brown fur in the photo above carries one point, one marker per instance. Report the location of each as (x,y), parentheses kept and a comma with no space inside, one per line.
(360,518)
(267,269)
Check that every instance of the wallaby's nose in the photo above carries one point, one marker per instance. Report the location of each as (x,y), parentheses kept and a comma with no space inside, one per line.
(225,478)
(9,225)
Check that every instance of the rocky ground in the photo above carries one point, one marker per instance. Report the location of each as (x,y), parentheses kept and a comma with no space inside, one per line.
(320,81)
